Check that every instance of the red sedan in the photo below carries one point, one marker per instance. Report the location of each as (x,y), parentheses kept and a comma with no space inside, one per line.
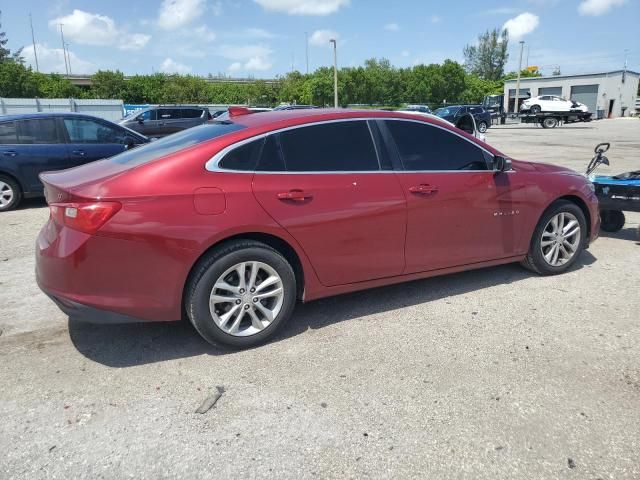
(229,224)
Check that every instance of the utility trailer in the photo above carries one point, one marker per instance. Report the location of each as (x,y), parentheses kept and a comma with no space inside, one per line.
(495,105)
(553,119)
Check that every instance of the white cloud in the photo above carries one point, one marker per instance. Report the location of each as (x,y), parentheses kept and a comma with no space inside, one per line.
(521,25)
(303,7)
(247,57)
(435,19)
(94,29)
(598,7)
(320,38)
(179,13)
(205,33)
(171,66)
(51,60)
(392,27)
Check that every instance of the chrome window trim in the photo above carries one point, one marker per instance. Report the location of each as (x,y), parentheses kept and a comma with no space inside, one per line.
(212,164)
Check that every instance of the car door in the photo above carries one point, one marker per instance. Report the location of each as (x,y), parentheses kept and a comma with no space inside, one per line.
(91,139)
(169,121)
(561,105)
(459,211)
(545,102)
(324,184)
(146,123)
(41,147)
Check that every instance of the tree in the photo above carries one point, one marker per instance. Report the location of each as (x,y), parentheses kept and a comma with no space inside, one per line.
(5,53)
(488,57)
(107,84)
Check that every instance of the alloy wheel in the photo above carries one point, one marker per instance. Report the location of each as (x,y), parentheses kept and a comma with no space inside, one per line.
(560,239)
(6,194)
(246,298)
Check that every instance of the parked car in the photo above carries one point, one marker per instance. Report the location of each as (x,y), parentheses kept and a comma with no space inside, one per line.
(465,122)
(233,222)
(417,108)
(162,120)
(39,142)
(294,107)
(551,103)
(453,112)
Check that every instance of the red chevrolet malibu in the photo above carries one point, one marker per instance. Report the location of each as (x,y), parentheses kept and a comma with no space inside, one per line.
(230,224)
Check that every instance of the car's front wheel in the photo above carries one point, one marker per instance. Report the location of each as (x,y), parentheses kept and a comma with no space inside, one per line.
(10,193)
(482,127)
(241,294)
(558,239)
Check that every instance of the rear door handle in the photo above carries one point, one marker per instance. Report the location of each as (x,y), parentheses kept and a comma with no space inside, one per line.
(10,153)
(423,189)
(295,195)
(79,153)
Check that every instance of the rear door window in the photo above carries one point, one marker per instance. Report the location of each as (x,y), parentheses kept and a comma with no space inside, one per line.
(191,113)
(38,131)
(168,113)
(89,131)
(426,147)
(8,134)
(331,147)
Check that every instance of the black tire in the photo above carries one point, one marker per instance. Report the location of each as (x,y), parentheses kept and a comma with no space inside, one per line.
(549,122)
(208,271)
(535,260)
(9,184)
(535,109)
(482,127)
(611,220)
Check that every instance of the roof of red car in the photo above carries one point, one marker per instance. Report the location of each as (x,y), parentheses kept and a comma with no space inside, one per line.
(295,117)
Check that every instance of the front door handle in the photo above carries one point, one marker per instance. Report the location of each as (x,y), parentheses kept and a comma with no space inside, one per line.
(79,153)
(10,153)
(423,189)
(295,195)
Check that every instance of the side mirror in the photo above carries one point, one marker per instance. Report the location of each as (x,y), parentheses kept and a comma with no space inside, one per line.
(129,143)
(501,164)
(140,119)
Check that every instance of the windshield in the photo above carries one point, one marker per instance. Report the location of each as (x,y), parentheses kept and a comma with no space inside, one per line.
(178,141)
(444,112)
(133,114)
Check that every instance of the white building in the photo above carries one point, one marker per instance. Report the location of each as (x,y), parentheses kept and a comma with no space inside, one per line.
(607,94)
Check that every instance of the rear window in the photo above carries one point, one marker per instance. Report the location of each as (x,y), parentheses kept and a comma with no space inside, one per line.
(175,142)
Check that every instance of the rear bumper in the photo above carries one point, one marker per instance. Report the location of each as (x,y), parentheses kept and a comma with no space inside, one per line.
(85,313)
(105,279)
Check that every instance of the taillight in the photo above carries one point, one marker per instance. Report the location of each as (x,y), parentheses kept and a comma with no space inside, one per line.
(85,217)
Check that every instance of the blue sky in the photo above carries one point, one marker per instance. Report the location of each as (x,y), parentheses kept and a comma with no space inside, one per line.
(265,38)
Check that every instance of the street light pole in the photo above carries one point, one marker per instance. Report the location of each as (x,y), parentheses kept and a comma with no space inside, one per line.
(515,104)
(335,72)
(68,58)
(33,40)
(64,51)
(306,49)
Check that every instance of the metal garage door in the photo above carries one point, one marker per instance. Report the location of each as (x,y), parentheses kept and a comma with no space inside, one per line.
(550,91)
(587,94)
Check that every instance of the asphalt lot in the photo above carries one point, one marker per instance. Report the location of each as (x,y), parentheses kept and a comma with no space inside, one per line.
(495,373)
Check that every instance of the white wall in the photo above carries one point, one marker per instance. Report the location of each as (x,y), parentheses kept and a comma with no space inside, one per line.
(107,109)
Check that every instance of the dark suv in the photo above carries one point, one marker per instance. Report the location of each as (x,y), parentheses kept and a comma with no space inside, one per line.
(39,142)
(453,112)
(163,119)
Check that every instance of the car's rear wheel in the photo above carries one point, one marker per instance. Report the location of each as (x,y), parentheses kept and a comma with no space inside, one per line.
(611,220)
(482,127)
(558,239)
(10,193)
(535,109)
(241,294)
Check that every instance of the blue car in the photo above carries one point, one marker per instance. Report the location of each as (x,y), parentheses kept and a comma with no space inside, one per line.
(34,143)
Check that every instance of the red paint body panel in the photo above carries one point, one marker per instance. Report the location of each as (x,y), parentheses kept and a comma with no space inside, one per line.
(355,231)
